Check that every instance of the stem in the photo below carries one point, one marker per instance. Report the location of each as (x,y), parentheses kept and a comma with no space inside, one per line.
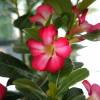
(57,80)
(21,35)
(77,2)
(44,81)
(22,40)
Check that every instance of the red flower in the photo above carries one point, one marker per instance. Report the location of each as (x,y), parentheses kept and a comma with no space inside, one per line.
(2,92)
(49,54)
(43,12)
(82,24)
(93,90)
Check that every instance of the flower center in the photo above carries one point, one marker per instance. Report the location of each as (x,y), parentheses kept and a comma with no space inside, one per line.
(90,98)
(49,49)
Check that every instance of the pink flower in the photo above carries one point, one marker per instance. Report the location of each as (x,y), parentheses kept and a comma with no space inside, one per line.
(85,25)
(2,92)
(43,12)
(49,55)
(93,90)
(82,24)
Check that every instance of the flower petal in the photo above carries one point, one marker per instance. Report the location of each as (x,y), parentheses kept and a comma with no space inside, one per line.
(95,91)
(39,62)
(61,42)
(36,18)
(87,85)
(63,51)
(62,47)
(96,27)
(86,26)
(55,64)
(44,10)
(36,48)
(47,34)
(82,16)
(2,91)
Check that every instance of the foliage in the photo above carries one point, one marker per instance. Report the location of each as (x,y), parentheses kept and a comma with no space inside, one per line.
(42,85)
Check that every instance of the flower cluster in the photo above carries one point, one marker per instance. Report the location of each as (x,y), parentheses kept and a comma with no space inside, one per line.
(42,14)
(49,53)
(48,68)
(82,25)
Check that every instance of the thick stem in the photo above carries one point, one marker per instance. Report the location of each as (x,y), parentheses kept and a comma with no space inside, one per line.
(21,35)
(22,40)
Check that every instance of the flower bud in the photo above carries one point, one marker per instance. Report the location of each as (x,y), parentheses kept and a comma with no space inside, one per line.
(2,92)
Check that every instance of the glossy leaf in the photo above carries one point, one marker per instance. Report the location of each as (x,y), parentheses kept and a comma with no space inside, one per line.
(22,22)
(74,77)
(10,60)
(67,68)
(10,95)
(84,4)
(72,93)
(28,87)
(31,33)
(13,68)
(75,48)
(60,6)
(77,65)
(61,21)
(93,36)
(80,97)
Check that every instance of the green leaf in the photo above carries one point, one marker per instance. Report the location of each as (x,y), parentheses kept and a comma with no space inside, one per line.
(75,48)
(80,97)
(72,93)
(10,60)
(77,65)
(60,6)
(28,87)
(74,77)
(84,4)
(20,48)
(13,68)
(61,21)
(31,33)
(10,95)
(93,36)
(23,22)
(67,68)
(55,5)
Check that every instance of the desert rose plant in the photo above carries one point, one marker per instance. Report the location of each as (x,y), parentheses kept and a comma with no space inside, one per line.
(48,69)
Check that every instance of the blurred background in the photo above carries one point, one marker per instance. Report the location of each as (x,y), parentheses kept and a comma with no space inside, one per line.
(90,55)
